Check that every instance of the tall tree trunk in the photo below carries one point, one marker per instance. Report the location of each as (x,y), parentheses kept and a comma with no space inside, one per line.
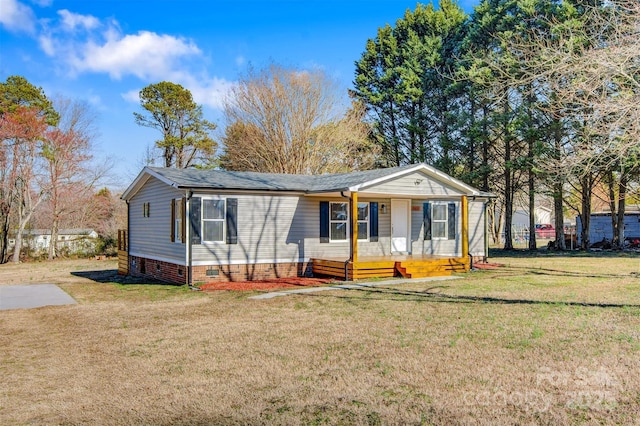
(394,138)
(17,248)
(485,149)
(558,187)
(471,151)
(508,187)
(558,207)
(53,249)
(4,229)
(531,143)
(622,195)
(586,191)
(533,244)
(612,207)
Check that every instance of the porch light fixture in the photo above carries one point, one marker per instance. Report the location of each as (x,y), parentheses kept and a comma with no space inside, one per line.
(383,208)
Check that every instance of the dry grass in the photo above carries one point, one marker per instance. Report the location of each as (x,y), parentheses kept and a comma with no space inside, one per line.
(508,346)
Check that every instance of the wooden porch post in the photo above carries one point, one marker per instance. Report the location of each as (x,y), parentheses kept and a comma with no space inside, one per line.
(354,227)
(465,226)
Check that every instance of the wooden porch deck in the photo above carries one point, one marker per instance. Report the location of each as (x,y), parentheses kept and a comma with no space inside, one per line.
(408,266)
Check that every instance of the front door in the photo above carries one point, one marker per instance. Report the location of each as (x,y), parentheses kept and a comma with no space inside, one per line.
(400,220)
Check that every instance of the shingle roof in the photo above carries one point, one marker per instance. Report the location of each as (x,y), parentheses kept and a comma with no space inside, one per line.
(222,179)
(251,181)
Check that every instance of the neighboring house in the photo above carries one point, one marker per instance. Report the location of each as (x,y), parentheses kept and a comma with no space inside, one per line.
(600,227)
(75,241)
(196,226)
(521,216)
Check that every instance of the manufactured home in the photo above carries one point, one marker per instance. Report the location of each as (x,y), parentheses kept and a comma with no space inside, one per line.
(193,226)
(600,228)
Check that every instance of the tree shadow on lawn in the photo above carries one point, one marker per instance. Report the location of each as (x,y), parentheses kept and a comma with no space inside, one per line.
(373,293)
(544,252)
(111,276)
(526,270)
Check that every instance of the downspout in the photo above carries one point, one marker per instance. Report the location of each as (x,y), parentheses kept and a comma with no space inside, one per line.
(486,233)
(346,262)
(187,231)
(128,236)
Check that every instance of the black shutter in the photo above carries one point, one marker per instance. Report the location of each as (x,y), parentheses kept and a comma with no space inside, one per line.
(195,209)
(324,221)
(183,220)
(232,221)
(451,220)
(426,220)
(373,221)
(173,221)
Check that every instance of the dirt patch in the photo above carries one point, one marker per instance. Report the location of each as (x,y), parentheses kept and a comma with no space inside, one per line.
(274,284)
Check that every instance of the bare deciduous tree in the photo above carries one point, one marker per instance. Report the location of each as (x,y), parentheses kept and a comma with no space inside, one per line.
(67,154)
(22,131)
(288,121)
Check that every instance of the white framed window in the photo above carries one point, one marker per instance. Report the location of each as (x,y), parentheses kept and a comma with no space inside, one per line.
(439,221)
(213,220)
(338,221)
(363,221)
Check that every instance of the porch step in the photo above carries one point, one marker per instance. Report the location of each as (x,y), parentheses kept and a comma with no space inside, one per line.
(389,267)
(433,268)
(333,268)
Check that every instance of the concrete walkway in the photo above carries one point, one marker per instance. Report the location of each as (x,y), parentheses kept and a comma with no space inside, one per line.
(347,286)
(32,296)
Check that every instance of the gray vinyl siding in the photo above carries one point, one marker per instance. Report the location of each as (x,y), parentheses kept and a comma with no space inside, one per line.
(477,228)
(270,229)
(151,236)
(600,227)
(382,247)
(435,247)
(282,228)
(415,184)
(285,228)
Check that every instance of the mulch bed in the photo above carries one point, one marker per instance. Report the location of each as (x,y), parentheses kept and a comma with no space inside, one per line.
(275,284)
(487,265)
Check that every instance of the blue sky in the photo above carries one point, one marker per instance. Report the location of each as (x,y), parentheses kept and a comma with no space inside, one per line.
(104,51)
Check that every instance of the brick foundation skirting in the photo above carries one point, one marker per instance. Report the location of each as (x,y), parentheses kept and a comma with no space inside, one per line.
(177,274)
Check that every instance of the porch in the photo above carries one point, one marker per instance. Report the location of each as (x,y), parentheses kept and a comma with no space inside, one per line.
(408,266)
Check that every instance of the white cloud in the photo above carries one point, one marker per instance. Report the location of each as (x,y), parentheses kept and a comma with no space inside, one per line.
(212,92)
(146,55)
(71,21)
(240,60)
(47,44)
(131,96)
(86,44)
(16,17)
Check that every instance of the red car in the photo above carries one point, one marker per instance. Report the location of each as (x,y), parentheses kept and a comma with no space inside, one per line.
(545,231)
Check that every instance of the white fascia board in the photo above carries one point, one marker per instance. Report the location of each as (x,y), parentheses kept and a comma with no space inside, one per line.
(141,179)
(135,186)
(392,176)
(443,177)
